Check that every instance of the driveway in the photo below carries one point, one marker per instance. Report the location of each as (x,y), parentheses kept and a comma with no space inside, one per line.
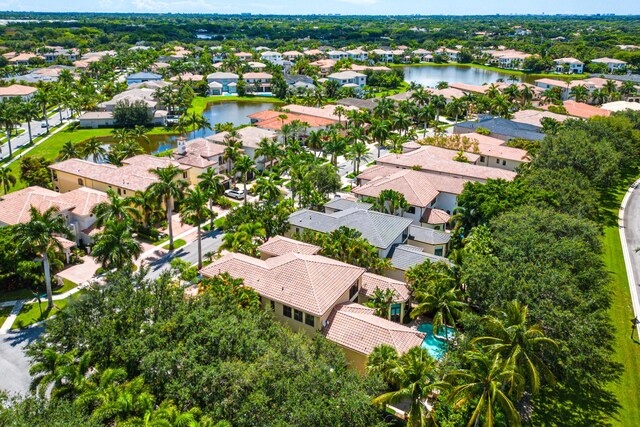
(211,242)
(14,363)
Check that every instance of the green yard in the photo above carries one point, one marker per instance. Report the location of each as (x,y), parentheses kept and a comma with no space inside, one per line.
(4,313)
(627,350)
(28,294)
(31,314)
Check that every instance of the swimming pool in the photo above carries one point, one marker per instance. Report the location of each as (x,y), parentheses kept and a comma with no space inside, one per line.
(435,346)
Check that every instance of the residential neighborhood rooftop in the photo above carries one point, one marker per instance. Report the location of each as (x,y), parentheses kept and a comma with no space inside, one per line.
(279,245)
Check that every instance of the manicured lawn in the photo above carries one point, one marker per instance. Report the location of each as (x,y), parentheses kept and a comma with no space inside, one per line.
(68,285)
(627,351)
(30,313)
(219,222)
(199,103)
(27,294)
(4,313)
(178,243)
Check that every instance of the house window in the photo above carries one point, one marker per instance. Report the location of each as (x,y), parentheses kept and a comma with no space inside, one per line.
(273,305)
(297,315)
(438,251)
(286,311)
(395,312)
(504,163)
(184,175)
(412,210)
(80,181)
(310,320)
(119,192)
(55,176)
(498,161)
(353,291)
(482,159)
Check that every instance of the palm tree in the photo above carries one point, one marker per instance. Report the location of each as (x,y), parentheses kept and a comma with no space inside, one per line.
(270,149)
(39,235)
(246,239)
(68,151)
(41,98)
(334,146)
(121,135)
(599,96)
(358,151)
(148,207)
(518,343)
(266,188)
(115,247)
(402,122)
(29,111)
(169,189)
(233,147)
(526,94)
(194,209)
(443,301)
(244,165)
(93,148)
(9,118)
(115,403)
(7,179)
(118,209)
(49,370)
(580,93)
(415,376)
(383,360)
(439,102)
(211,184)
(379,131)
(391,202)
(483,382)
(340,111)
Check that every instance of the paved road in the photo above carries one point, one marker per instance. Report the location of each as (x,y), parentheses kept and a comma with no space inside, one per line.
(14,364)
(36,129)
(211,242)
(631,228)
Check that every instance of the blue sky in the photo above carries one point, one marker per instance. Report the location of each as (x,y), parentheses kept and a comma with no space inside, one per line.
(370,7)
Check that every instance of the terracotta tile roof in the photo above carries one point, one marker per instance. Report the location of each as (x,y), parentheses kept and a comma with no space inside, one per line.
(15,207)
(355,327)
(371,282)
(17,90)
(435,216)
(66,244)
(134,175)
(419,188)
(487,147)
(250,136)
(311,283)
(83,199)
(429,160)
(200,153)
(280,245)
(251,76)
(270,119)
(326,112)
(534,117)
(585,111)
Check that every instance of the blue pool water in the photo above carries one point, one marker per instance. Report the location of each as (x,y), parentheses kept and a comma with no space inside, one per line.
(435,346)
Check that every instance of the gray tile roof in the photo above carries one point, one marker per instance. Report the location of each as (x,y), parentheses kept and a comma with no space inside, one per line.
(406,256)
(377,228)
(428,235)
(144,75)
(341,204)
(506,127)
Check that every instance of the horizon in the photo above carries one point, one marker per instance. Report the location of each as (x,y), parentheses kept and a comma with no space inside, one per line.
(330,7)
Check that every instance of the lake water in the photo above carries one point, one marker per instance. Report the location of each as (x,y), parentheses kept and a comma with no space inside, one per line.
(431,75)
(235,112)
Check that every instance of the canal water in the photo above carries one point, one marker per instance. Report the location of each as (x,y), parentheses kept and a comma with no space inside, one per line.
(429,76)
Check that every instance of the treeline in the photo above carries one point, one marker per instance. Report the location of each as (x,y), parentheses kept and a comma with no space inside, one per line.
(537,240)
(141,353)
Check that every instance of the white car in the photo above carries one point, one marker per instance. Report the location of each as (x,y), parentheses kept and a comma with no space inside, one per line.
(235,194)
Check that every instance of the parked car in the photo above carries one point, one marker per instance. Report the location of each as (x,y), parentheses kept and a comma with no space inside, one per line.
(235,193)
(43,125)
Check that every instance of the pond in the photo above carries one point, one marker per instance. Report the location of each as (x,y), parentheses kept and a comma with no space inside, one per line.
(235,112)
(429,76)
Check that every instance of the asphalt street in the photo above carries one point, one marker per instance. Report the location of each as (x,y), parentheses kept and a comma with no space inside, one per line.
(36,129)
(14,363)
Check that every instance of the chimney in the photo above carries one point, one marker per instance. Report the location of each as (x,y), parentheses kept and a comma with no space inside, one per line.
(182,146)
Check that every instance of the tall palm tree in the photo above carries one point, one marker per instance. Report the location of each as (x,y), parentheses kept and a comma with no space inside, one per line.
(270,149)
(379,131)
(41,98)
(580,93)
(402,122)
(416,379)
(483,382)
(7,179)
(246,239)
(9,118)
(244,165)
(211,184)
(39,235)
(357,152)
(168,189)
(334,146)
(116,208)
(232,150)
(68,151)
(519,343)
(115,247)
(194,209)
(29,111)
(148,205)
(438,102)
(93,148)
(442,300)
